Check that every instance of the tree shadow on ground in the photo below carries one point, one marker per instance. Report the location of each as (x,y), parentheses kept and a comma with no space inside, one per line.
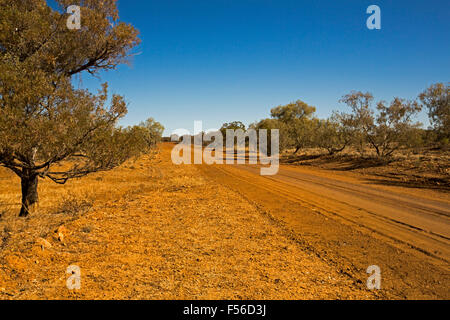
(336,162)
(422,183)
(382,173)
(349,164)
(296,159)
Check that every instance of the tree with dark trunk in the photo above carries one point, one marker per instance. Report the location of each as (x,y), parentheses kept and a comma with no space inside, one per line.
(29,182)
(386,130)
(297,118)
(331,135)
(436,99)
(49,128)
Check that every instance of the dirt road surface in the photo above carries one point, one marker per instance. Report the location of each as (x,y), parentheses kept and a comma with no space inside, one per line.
(354,221)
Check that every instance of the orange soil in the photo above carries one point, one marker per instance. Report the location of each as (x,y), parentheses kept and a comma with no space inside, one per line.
(160,231)
(352,221)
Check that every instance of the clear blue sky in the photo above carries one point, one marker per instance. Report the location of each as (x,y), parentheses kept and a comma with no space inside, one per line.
(220,61)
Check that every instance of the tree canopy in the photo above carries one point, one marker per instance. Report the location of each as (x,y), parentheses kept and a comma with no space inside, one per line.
(44,118)
(437,99)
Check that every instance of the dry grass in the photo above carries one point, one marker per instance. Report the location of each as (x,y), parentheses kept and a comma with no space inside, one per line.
(59,204)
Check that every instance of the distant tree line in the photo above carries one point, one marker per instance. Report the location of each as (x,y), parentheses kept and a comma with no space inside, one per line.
(382,127)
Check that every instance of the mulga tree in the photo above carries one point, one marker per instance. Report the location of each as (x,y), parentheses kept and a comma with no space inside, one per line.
(49,128)
(436,99)
(153,131)
(394,126)
(332,134)
(360,120)
(385,131)
(235,125)
(297,118)
(269,125)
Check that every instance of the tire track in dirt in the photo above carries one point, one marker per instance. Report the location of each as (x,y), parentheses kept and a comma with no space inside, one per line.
(435,240)
(424,240)
(427,206)
(414,258)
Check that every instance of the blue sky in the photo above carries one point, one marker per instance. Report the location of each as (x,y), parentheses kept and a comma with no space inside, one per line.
(225,60)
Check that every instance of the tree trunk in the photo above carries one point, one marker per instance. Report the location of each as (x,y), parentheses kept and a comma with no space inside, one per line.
(29,194)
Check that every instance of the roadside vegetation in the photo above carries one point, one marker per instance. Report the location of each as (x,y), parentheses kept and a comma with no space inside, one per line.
(50,129)
(379,130)
(368,135)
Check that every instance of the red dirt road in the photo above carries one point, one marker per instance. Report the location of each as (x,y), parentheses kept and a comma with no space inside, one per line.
(355,221)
